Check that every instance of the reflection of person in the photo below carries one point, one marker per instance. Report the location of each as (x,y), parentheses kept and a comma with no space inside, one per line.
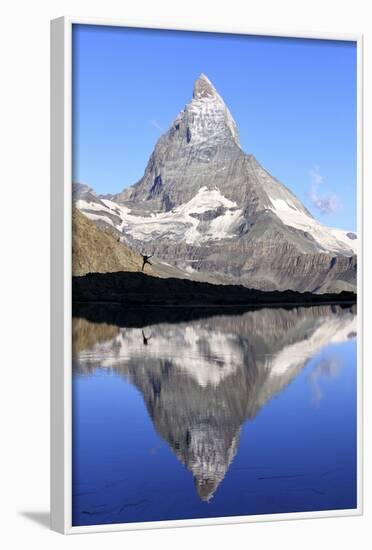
(145,340)
(145,260)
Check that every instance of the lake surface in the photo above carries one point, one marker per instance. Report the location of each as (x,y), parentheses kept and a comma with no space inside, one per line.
(199,413)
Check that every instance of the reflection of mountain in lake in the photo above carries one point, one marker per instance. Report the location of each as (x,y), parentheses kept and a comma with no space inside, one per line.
(202,379)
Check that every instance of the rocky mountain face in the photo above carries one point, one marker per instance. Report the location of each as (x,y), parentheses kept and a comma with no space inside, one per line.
(202,379)
(211,210)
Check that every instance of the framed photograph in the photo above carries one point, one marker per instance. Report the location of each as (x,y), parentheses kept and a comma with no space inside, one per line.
(206,231)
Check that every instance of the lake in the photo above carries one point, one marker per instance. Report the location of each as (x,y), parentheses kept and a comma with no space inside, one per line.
(199,413)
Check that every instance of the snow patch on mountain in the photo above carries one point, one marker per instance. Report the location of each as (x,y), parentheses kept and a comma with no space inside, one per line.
(329,240)
(182,223)
(179,224)
(97,211)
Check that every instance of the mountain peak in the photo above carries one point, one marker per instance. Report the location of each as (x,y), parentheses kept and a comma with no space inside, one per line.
(209,121)
(203,87)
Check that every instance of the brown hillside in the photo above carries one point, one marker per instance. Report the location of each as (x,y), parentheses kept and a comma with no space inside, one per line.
(96,250)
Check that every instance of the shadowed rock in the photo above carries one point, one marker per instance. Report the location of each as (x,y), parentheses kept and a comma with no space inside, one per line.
(139,288)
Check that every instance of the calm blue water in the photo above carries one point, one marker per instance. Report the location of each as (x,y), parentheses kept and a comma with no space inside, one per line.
(214,415)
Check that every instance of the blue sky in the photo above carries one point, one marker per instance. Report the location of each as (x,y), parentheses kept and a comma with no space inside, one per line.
(294,102)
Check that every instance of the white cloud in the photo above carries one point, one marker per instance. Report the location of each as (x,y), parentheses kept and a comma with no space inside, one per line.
(326,204)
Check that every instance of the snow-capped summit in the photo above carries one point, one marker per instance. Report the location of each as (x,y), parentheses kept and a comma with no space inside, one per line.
(207,117)
(208,208)
(203,87)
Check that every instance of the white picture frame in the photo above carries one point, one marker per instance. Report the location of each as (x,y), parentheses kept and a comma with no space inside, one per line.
(61,304)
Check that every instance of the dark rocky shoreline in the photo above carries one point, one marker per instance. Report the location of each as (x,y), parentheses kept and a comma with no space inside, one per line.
(136,288)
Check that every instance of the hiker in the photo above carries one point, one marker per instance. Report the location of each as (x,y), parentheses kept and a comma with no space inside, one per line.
(145,340)
(145,260)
